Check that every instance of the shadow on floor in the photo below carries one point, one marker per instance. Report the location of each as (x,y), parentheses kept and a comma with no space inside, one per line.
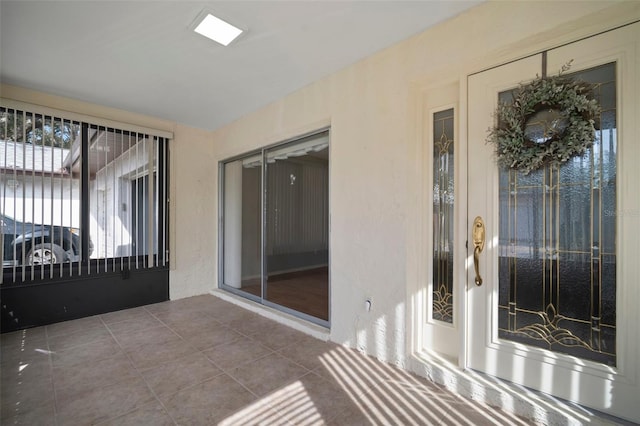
(204,361)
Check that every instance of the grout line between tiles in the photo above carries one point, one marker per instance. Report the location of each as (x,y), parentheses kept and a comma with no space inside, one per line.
(53,388)
(283,352)
(143,379)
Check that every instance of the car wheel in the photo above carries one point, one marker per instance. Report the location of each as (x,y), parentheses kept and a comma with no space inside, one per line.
(46,254)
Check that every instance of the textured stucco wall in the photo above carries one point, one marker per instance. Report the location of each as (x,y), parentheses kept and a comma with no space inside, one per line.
(373,108)
(193,217)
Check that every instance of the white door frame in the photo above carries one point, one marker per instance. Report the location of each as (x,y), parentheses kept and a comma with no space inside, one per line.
(617,389)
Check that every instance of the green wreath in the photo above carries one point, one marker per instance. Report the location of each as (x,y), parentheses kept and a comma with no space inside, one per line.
(549,121)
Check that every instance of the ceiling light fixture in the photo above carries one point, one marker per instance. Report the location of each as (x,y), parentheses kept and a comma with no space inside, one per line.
(217,30)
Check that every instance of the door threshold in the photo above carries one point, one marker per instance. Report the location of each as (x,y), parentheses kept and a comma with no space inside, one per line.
(301,325)
(536,406)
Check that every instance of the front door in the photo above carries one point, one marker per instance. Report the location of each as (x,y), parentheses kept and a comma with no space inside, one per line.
(558,306)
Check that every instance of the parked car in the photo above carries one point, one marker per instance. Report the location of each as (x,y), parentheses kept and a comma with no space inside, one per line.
(41,244)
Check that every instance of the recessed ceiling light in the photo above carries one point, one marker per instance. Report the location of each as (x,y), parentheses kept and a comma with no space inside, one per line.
(217,30)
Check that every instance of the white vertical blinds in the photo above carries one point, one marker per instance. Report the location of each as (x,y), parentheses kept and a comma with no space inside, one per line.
(41,196)
(298,198)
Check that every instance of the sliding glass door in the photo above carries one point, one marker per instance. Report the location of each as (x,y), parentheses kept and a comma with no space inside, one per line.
(275,226)
(242,247)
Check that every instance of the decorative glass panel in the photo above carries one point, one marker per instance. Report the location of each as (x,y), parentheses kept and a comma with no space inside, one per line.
(443,216)
(557,244)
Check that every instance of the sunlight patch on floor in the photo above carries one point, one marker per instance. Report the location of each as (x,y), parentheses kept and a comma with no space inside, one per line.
(291,402)
(510,394)
(384,393)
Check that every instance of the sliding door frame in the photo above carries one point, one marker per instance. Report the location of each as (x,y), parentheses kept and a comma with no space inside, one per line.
(262,299)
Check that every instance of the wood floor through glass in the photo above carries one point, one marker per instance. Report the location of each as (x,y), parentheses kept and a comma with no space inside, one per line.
(302,291)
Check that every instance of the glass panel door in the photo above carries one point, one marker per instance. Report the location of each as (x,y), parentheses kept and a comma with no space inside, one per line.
(557,266)
(242,226)
(275,227)
(297,227)
(557,309)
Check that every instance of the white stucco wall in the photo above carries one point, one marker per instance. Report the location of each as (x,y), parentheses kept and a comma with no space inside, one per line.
(193,218)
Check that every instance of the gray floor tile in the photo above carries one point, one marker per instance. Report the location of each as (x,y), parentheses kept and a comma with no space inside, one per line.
(230,312)
(41,415)
(22,396)
(159,307)
(137,324)
(64,341)
(252,324)
(150,355)
(79,378)
(235,353)
(22,337)
(89,352)
(309,352)
(125,315)
(267,374)
(279,337)
(157,335)
(103,403)
(179,315)
(151,414)
(310,398)
(23,367)
(207,339)
(191,326)
(184,308)
(27,350)
(174,376)
(74,326)
(258,413)
(209,402)
(201,361)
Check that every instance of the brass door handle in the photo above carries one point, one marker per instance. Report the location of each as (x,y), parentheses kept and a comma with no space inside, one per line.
(478,235)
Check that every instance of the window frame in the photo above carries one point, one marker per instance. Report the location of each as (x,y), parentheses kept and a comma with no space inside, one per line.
(157,166)
(263,152)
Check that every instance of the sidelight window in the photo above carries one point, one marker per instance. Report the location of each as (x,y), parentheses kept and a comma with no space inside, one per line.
(443,196)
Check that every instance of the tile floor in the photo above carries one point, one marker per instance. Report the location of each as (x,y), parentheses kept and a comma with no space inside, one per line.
(204,361)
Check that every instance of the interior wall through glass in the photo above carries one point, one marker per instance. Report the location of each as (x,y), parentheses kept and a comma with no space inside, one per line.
(276,227)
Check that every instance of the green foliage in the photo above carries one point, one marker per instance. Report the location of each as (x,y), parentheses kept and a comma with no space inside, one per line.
(37,129)
(572,99)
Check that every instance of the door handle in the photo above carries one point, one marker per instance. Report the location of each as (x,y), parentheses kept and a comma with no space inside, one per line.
(478,236)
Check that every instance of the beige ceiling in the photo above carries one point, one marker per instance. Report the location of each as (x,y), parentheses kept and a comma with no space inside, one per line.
(142,56)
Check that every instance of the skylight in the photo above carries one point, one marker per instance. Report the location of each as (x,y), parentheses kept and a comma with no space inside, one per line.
(217,30)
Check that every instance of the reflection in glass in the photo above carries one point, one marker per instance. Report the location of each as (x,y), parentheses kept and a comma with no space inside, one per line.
(123,216)
(297,226)
(276,226)
(443,191)
(545,125)
(41,188)
(242,229)
(39,194)
(557,245)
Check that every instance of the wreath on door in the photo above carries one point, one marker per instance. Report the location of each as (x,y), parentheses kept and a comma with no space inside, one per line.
(550,120)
